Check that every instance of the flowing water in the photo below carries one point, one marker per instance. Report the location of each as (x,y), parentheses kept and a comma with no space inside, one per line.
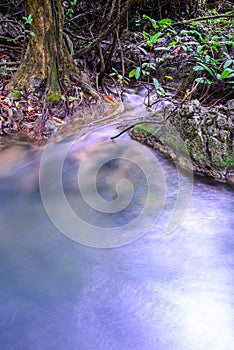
(166,285)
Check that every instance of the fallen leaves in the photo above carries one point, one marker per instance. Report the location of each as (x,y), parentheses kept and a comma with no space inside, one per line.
(18,114)
(110,99)
(4,105)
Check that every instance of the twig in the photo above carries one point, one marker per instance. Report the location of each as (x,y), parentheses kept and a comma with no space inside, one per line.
(9,63)
(133,125)
(8,47)
(220,99)
(157,122)
(197,19)
(184,99)
(104,33)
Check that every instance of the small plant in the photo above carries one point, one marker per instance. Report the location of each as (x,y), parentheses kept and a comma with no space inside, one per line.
(27,22)
(160,90)
(204,48)
(70,9)
(119,77)
(145,69)
(217,69)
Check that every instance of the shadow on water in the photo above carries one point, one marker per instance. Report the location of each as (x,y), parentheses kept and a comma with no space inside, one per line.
(165,290)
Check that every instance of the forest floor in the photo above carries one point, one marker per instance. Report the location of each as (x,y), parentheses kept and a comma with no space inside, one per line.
(176,61)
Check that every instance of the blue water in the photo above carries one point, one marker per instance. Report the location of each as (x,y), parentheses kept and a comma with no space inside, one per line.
(163,291)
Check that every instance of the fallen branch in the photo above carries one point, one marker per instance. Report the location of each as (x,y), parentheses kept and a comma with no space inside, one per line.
(205,18)
(154,121)
(16,63)
(133,126)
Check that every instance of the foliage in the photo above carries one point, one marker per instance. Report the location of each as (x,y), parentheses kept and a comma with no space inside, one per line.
(70,9)
(203,48)
(120,78)
(217,69)
(27,21)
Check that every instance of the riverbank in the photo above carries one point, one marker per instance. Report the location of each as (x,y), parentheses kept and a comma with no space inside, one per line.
(194,137)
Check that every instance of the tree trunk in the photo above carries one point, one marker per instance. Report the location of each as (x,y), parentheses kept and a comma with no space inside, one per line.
(47,65)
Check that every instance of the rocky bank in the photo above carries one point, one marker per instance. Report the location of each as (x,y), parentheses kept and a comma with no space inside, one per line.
(196,137)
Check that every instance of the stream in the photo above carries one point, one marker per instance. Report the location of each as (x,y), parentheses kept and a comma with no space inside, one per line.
(119,250)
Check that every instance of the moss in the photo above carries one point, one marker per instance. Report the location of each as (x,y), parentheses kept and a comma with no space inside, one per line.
(145,130)
(190,133)
(230,161)
(200,158)
(166,134)
(52,98)
(16,94)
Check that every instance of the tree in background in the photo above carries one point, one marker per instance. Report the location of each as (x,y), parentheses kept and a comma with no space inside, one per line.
(47,66)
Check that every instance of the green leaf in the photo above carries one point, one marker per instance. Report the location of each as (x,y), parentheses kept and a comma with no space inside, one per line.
(173,43)
(199,49)
(200,80)
(138,73)
(161,91)
(148,65)
(152,21)
(148,42)
(231,75)
(169,77)
(132,73)
(227,73)
(216,37)
(228,63)
(203,80)
(195,32)
(230,43)
(215,47)
(158,87)
(197,68)
(28,20)
(165,21)
(206,68)
(207,58)
(155,37)
(143,50)
(156,83)
(227,55)
(146,35)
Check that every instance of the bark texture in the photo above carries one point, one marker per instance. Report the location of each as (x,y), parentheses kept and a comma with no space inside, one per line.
(47,66)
